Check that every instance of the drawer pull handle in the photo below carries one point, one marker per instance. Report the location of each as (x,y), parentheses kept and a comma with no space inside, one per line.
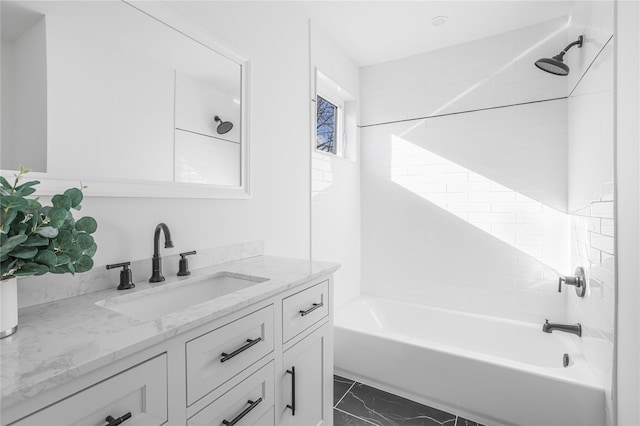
(226,356)
(253,404)
(292,406)
(311,309)
(116,422)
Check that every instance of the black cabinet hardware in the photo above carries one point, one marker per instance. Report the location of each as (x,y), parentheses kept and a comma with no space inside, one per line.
(311,309)
(115,422)
(226,356)
(292,406)
(253,404)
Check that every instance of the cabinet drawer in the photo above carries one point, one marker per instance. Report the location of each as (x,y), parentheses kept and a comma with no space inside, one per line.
(140,390)
(301,310)
(217,356)
(253,397)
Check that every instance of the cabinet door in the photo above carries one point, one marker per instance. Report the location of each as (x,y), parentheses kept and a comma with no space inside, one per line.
(309,390)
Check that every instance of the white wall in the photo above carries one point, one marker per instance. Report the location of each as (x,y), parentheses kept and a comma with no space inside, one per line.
(627,45)
(466,209)
(591,187)
(335,203)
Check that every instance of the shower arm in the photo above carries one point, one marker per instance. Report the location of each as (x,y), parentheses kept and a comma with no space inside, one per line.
(566,49)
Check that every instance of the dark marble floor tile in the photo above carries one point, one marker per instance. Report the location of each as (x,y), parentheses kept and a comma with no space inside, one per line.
(385,409)
(340,386)
(340,418)
(464,422)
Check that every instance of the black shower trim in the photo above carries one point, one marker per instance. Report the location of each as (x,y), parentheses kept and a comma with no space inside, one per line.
(464,112)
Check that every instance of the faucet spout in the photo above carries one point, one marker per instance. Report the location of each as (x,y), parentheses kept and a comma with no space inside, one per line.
(156,260)
(576,329)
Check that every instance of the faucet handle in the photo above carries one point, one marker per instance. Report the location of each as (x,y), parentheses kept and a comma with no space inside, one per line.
(183,265)
(578,280)
(126,281)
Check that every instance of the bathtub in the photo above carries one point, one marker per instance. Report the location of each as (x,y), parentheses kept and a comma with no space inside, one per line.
(491,370)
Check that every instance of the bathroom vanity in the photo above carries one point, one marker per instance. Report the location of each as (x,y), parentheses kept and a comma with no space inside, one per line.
(262,354)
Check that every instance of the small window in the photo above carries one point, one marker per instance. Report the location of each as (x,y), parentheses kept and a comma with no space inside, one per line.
(327,123)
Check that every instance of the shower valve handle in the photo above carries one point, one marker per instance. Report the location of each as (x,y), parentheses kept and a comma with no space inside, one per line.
(569,280)
(578,280)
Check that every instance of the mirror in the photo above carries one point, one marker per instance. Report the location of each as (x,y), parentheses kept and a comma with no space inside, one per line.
(129,98)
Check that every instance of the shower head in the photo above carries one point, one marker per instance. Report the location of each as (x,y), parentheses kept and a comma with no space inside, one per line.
(553,65)
(224,126)
(556,65)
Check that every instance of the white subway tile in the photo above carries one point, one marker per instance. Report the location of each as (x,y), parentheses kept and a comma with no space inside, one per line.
(602,242)
(602,209)
(447,178)
(473,177)
(496,187)
(492,196)
(507,238)
(529,217)
(399,171)
(456,197)
(499,207)
(529,207)
(469,207)
(455,168)
(468,187)
(316,174)
(607,227)
(492,217)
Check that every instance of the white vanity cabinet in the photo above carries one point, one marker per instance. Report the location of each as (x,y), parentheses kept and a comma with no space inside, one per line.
(245,368)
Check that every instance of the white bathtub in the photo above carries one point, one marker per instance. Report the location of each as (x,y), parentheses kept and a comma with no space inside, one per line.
(492,370)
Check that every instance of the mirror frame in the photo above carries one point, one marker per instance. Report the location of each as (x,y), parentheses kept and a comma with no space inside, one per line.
(53,183)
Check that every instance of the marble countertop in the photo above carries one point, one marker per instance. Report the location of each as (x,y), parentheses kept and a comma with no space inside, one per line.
(61,340)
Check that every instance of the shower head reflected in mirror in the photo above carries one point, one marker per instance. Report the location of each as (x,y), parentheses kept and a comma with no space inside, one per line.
(224,126)
(556,64)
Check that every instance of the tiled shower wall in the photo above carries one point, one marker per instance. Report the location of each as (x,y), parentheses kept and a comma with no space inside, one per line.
(591,193)
(464,183)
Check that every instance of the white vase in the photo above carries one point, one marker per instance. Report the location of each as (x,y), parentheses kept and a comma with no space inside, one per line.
(8,307)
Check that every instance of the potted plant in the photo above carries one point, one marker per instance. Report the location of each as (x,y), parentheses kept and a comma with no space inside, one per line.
(36,239)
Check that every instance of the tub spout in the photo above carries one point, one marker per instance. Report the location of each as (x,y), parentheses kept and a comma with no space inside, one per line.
(576,329)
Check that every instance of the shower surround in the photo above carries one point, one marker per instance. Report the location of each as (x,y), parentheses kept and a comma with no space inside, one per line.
(484,179)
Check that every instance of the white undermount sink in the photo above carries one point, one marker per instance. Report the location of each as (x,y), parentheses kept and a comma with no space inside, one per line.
(153,303)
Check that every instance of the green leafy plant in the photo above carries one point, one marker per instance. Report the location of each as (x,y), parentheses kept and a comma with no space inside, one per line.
(35,240)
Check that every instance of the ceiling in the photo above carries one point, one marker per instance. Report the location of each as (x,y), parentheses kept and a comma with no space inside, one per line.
(372,32)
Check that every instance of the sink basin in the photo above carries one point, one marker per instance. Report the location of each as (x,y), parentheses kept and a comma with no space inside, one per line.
(151,304)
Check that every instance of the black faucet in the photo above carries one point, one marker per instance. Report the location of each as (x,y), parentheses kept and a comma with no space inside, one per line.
(156,260)
(548,327)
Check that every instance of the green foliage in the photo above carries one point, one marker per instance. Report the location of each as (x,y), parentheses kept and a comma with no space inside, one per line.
(36,239)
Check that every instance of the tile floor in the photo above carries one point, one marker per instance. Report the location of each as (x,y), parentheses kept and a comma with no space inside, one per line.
(356,404)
